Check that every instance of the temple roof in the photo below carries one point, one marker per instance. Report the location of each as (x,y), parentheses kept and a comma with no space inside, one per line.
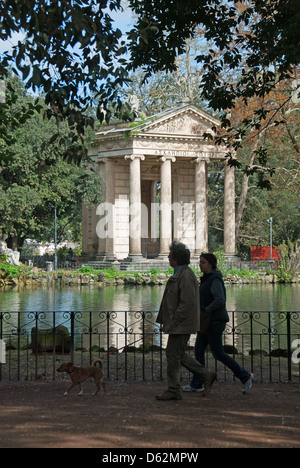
(184,119)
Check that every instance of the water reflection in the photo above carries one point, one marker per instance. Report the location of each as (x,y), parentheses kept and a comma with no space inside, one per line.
(274,298)
(239,297)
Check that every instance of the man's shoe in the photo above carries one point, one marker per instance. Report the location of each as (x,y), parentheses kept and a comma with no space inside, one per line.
(188,388)
(168,396)
(208,385)
(248,385)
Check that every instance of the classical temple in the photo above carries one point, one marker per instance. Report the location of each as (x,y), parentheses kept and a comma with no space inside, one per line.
(155,187)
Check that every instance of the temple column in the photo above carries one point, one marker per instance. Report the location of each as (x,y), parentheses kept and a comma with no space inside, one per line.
(229,211)
(201,206)
(166,205)
(135,213)
(105,227)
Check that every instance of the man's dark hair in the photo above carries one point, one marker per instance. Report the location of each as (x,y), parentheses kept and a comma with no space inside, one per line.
(211,258)
(180,253)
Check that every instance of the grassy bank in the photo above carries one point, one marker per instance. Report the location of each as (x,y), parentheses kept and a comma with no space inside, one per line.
(13,275)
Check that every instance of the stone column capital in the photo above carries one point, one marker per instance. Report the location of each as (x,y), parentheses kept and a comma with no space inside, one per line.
(167,158)
(200,160)
(132,157)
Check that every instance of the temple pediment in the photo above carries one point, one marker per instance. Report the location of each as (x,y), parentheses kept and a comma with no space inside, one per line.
(182,122)
(188,121)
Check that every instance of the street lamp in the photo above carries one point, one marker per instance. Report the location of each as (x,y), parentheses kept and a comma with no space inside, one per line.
(55,238)
(270,221)
(50,208)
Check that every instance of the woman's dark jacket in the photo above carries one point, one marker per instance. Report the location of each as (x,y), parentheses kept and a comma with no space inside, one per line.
(213,296)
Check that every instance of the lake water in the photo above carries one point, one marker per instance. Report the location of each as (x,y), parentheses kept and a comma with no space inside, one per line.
(267,297)
(133,298)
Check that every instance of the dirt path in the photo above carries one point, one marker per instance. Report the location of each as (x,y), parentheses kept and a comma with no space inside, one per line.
(37,415)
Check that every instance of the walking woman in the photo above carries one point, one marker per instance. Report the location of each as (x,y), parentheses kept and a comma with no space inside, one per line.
(213,319)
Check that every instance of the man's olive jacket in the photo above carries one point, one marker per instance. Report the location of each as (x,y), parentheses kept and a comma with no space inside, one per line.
(179,311)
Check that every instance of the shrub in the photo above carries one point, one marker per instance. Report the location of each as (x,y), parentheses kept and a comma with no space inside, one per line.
(11,271)
(87,270)
(242,273)
(283,276)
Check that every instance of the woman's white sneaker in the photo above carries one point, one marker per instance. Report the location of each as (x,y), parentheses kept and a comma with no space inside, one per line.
(188,388)
(248,385)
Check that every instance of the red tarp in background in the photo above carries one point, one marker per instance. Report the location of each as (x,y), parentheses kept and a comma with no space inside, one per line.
(259,253)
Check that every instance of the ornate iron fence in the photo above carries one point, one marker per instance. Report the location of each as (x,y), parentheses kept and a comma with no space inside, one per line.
(132,345)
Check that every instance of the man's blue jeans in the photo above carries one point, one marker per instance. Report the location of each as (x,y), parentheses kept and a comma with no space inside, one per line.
(213,338)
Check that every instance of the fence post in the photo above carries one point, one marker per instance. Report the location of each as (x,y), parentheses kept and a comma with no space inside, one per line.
(233,345)
(161,352)
(72,318)
(270,345)
(36,343)
(107,338)
(126,343)
(143,330)
(90,338)
(54,347)
(251,341)
(19,344)
(289,345)
(1,334)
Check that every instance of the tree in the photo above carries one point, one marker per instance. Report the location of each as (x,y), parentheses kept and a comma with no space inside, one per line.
(278,156)
(70,51)
(256,40)
(164,90)
(37,176)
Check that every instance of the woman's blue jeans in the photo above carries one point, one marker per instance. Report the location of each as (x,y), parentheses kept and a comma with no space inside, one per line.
(213,338)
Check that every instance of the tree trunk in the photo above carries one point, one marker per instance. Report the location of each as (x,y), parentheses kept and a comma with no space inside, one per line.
(244,191)
(12,243)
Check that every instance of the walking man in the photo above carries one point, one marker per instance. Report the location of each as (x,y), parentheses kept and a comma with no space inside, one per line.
(179,316)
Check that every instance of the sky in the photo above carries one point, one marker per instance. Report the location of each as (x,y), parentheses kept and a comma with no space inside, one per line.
(8,45)
(123,20)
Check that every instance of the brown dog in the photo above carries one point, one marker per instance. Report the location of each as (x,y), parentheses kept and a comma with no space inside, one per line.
(80,374)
